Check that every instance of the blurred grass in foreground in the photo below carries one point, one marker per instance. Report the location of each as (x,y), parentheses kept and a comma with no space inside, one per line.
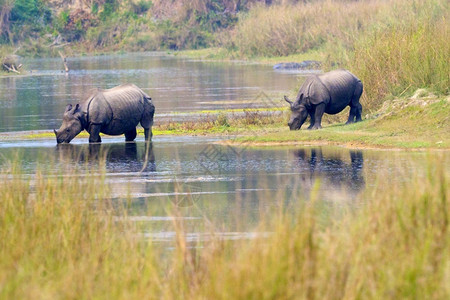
(61,238)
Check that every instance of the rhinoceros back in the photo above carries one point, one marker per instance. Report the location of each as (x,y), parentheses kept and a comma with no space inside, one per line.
(341,86)
(119,109)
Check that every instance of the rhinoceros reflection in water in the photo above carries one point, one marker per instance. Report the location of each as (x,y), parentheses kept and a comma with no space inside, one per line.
(332,170)
(118,157)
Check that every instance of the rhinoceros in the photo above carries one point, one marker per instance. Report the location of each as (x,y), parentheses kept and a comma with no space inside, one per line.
(327,93)
(113,111)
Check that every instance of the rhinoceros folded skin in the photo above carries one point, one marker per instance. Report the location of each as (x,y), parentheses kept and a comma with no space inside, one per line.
(113,111)
(327,93)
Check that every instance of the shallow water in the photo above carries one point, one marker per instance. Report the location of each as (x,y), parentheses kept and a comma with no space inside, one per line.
(218,188)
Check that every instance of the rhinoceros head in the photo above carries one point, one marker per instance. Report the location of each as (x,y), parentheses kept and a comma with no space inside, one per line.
(298,113)
(71,125)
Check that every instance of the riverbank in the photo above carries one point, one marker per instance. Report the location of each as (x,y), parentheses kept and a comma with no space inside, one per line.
(421,122)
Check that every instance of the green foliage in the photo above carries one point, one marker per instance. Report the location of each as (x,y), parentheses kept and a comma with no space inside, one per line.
(30,11)
(108,9)
(141,7)
(222,120)
(27,18)
(62,21)
(94,8)
(398,57)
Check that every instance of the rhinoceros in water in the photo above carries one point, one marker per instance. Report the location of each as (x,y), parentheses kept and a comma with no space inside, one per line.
(327,93)
(114,111)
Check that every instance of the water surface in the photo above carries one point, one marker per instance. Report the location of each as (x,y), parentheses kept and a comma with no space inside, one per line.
(37,102)
(216,186)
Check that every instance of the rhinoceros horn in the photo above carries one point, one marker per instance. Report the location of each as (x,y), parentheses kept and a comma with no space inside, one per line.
(54,130)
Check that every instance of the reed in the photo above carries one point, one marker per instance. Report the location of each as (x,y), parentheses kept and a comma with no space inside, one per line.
(399,60)
(62,238)
(285,29)
(396,246)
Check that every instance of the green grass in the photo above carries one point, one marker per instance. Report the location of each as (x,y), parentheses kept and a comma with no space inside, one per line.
(61,238)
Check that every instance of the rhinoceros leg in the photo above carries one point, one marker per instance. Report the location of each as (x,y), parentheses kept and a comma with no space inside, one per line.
(320,109)
(130,135)
(355,106)
(355,113)
(148,133)
(94,134)
(312,119)
(352,115)
(358,112)
(147,120)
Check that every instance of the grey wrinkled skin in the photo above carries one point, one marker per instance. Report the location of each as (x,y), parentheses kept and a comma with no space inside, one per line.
(114,111)
(327,93)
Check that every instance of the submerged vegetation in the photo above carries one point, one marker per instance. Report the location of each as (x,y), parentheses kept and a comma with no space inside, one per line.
(63,237)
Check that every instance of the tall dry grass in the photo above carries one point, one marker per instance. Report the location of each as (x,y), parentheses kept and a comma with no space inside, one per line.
(60,238)
(285,29)
(400,59)
(396,247)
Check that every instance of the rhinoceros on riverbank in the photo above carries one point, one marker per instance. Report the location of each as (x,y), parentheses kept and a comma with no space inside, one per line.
(327,93)
(114,111)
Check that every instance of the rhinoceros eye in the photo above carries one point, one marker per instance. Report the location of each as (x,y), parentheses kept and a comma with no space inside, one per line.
(68,130)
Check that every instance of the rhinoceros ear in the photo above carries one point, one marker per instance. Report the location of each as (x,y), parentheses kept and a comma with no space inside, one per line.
(68,107)
(287,100)
(76,109)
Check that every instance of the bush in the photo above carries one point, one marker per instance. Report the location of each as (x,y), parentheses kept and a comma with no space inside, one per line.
(30,11)
(141,7)
(222,120)
(109,8)
(28,16)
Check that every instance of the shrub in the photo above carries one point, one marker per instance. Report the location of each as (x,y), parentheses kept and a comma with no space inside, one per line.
(140,7)
(29,16)
(29,11)
(222,120)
